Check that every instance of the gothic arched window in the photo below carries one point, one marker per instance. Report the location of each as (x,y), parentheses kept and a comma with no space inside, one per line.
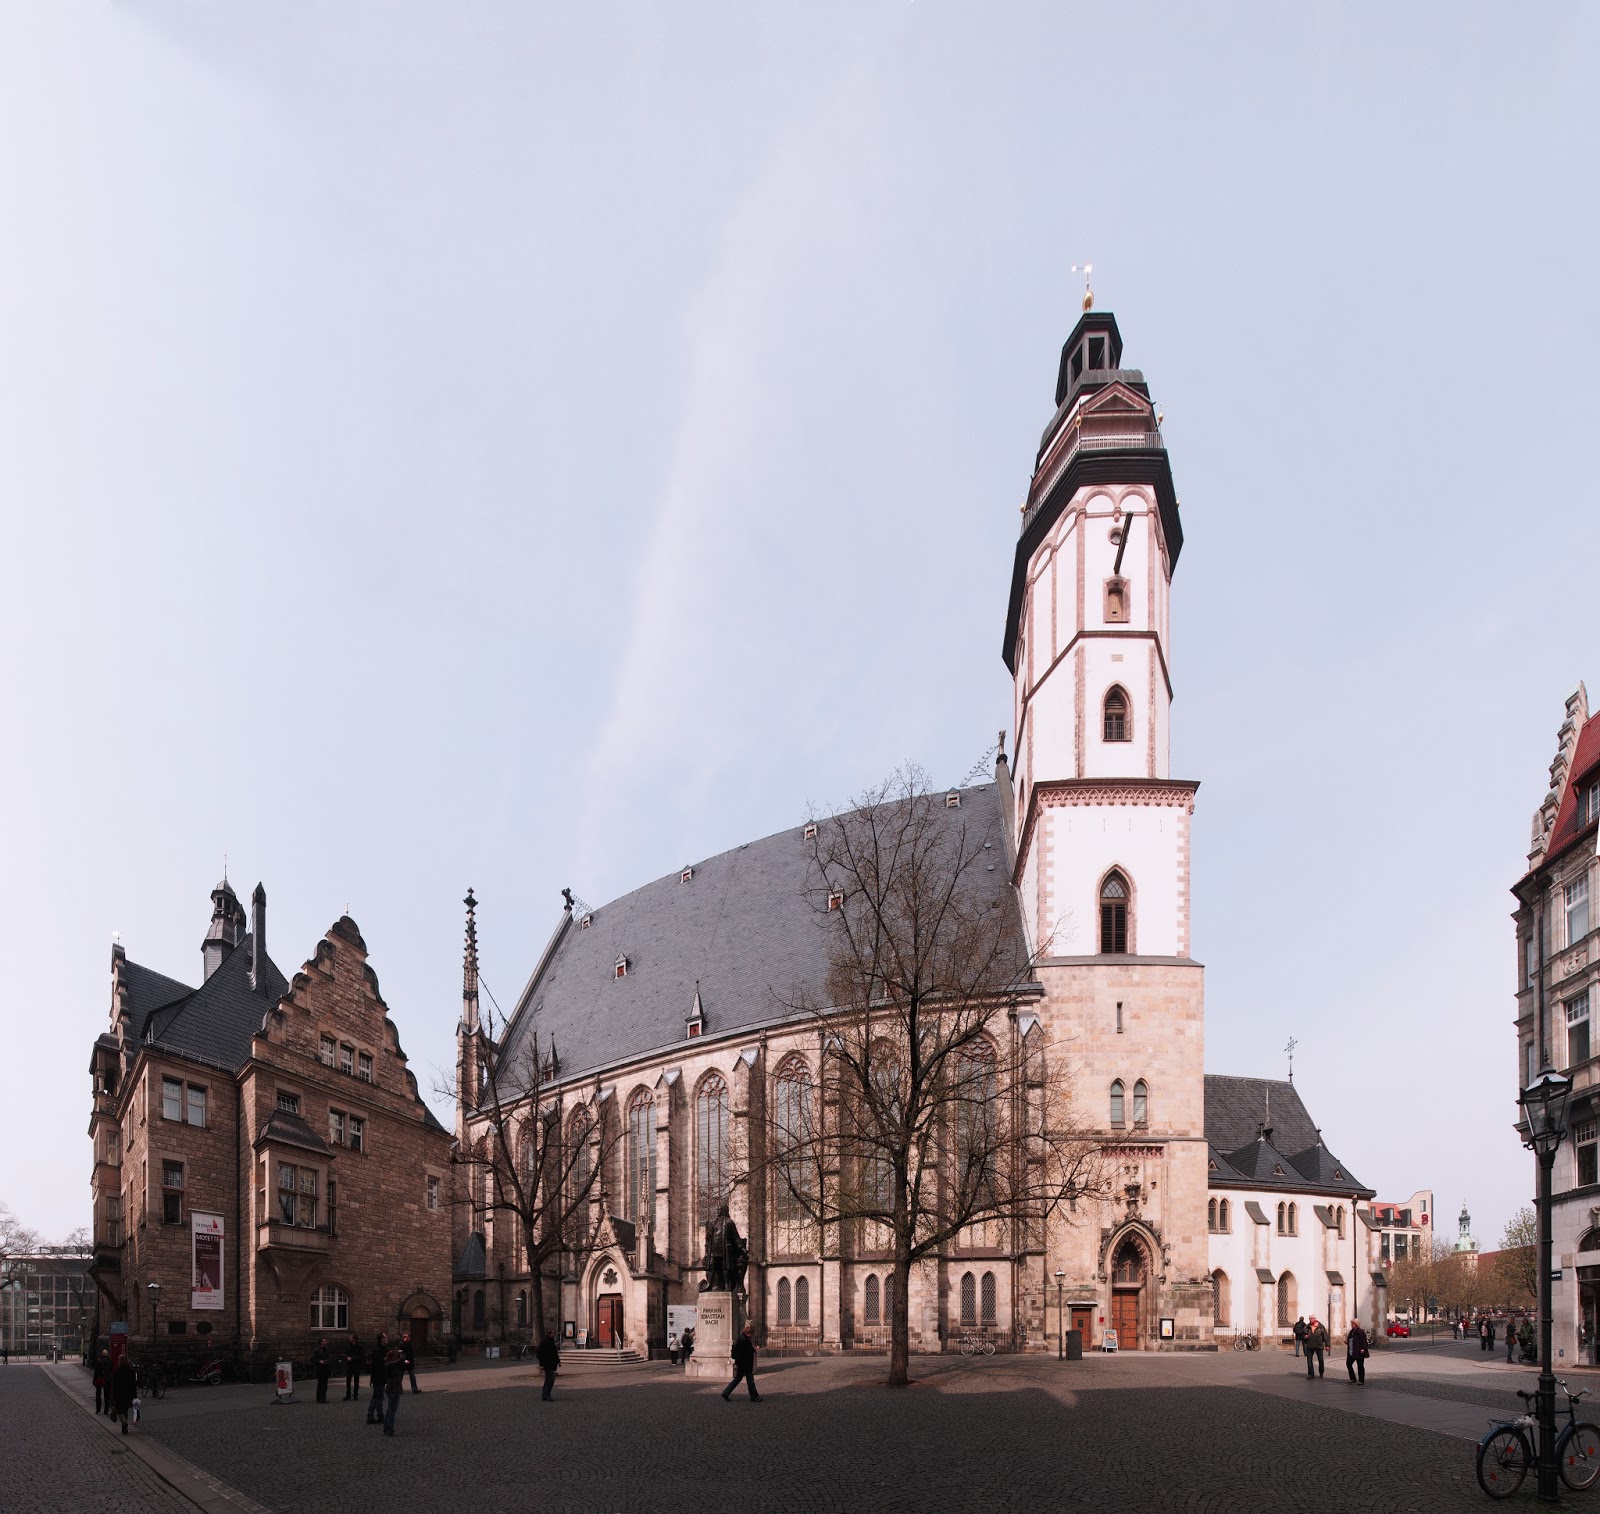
(802,1301)
(783,1301)
(1211,1215)
(1286,1300)
(1222,1216)
(1141,1103)
(711,1147)
(1116,716)
(1127,1270)
(977,1106)
(1294,1221)
(869,1312)
(969,1299)
(1114,915)
(1117,1103)
(1283,1219)
(793,1188)
(1219,1281)
(986,1298)
(641,1159)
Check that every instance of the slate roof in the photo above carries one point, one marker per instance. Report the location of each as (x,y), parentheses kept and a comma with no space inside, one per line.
(1236,1110)
(473,1261)
(146,991)
(215,1022)
(743,928)
(291,1130)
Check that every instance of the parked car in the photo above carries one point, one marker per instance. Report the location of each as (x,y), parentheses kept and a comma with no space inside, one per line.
(1398,1327)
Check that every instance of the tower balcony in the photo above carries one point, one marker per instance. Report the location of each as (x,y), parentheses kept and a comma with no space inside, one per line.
(1136,436)
(275,1235)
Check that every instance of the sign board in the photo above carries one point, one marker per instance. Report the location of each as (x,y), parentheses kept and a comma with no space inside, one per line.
(681,1317)
(206,1254)
(1108,1340)
(569,1330)
(715,1314)
(1168,1329)
(285,1382)
(1555,1277)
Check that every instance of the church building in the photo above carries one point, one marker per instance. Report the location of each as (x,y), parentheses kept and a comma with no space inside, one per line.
(670,1046)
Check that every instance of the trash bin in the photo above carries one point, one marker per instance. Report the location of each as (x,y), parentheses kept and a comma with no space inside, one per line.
(1074,1345)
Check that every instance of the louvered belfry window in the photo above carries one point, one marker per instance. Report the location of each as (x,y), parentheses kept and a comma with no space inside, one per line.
(1116,713)
(1114,915)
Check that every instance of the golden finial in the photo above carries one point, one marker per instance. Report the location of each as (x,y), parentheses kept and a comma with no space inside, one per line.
(1088,294)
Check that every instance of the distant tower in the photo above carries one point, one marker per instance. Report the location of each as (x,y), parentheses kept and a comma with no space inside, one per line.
(1102,828)
(227,927)
(1466,1246)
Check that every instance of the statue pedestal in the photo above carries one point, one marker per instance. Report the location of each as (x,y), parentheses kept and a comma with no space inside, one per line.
(720,1320)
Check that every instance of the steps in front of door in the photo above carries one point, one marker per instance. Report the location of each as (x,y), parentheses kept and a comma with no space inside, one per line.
(612,1354)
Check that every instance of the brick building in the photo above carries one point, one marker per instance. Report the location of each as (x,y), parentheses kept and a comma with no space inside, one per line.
(264,1167)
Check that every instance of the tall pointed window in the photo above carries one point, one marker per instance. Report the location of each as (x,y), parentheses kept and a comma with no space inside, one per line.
(1117,1104)
(794,1190)
(1116,717)
(711,1147)
(1114,915)
(1141,1103)
(641,1159)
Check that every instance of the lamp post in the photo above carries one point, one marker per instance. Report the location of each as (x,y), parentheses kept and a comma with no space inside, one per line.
(1061,1319)
(1544,1112)
(154,1290)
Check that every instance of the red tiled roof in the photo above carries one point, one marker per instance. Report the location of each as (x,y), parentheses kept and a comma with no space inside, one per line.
(1584,758)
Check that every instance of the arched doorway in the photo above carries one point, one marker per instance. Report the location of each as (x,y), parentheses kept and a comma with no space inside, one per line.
(421,1316)
(1127,1293)
(607,1316)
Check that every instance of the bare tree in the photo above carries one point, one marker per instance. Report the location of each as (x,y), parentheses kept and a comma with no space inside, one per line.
(536,1155)
(1518,1261)
(938,1119)
(16,1239)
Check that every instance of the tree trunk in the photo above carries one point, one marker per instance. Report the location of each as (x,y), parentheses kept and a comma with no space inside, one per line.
(900,1323)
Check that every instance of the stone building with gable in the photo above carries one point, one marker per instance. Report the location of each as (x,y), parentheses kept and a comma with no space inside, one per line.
(1558,1000)
(265,1170)
(667,1016)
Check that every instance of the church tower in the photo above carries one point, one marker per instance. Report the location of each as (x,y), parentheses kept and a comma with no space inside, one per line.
(1102,839)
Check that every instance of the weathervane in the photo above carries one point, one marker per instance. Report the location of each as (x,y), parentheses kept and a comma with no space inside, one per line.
(1088,294)
(1290,1049)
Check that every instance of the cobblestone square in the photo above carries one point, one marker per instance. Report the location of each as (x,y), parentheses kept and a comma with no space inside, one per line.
(1133,1433)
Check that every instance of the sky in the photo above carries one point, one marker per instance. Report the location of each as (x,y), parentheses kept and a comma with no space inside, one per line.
(526,446)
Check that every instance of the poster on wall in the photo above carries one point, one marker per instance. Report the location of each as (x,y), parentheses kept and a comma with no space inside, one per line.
(206,1291)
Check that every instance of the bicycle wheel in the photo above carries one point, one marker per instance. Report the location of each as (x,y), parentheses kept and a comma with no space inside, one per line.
(1503,1461)
(988,1348)
(1251,1343)
(1578,1455)
(1238,1343)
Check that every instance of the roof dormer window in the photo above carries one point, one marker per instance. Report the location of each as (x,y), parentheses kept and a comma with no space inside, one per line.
(622,967)
(585,920)
(686,876)
(835,899)
(952,800)
(811,831)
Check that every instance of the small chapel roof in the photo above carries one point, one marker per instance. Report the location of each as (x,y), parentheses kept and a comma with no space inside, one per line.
(1254,1124)
(742,926)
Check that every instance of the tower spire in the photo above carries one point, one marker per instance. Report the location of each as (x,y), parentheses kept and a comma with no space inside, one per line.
(469,967)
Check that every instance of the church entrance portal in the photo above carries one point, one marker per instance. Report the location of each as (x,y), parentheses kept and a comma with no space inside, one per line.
(1127,1291)
(608,1319)
(419,1333)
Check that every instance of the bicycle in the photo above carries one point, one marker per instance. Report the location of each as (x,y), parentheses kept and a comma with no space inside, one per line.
(1507,1451)
(973,1344)
(1246,1343)
(152,1381)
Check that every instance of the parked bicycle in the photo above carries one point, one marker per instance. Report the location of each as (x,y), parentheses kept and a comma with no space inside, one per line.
(152,1380)
(1507,1452)
(974,1344)
(1245,1342)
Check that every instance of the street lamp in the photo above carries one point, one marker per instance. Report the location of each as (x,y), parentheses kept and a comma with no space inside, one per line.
(1544,1110)
(1061,1320)
(154,1290)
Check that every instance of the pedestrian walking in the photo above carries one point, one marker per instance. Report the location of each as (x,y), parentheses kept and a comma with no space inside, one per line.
(548,1357)
(394,1384)
(1299,1334)
(124,1389)
(686,1345)
(1316,1342)
(1356,1353)
(377,1371)
(1483,1335)
(744,1365)
(322,1364)
(410,1352)
(1511,1339)
(102,1383)
(352,1367)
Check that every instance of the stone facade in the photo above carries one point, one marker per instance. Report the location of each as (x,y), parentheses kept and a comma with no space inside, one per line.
(282,1117)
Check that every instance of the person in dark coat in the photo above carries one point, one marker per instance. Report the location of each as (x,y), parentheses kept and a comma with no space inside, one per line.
(686,1345)
(1299,1334)
(102,1383)
(1511,1339)
(548,1357)
(124,1389)
(744,1365)
(1483,1335)
(322,1364)
(377,1371)
(352,1367)
(394,1384)
(1316,1343)
(410,1352)
(1356,1353)
(1491,1335)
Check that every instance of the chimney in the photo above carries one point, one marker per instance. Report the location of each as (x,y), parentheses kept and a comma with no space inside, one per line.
(258,936)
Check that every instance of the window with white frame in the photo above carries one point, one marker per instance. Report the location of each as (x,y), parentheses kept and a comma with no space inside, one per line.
(171,1099)
(1576,896)
(330,1308)
(1578,1029)
(336,1127)
(297,1195)
(195,1107)
(433,1192)
(364,1067)
(1583,1145)
(327,1048)
(347,1059)
(289,1103)
(357,1132)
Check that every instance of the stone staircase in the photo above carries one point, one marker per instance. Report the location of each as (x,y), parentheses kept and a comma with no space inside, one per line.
(605,1355)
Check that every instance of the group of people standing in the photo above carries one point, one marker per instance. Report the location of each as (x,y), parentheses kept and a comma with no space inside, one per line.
(1311,1339)
(387,1366)
(115,1388)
